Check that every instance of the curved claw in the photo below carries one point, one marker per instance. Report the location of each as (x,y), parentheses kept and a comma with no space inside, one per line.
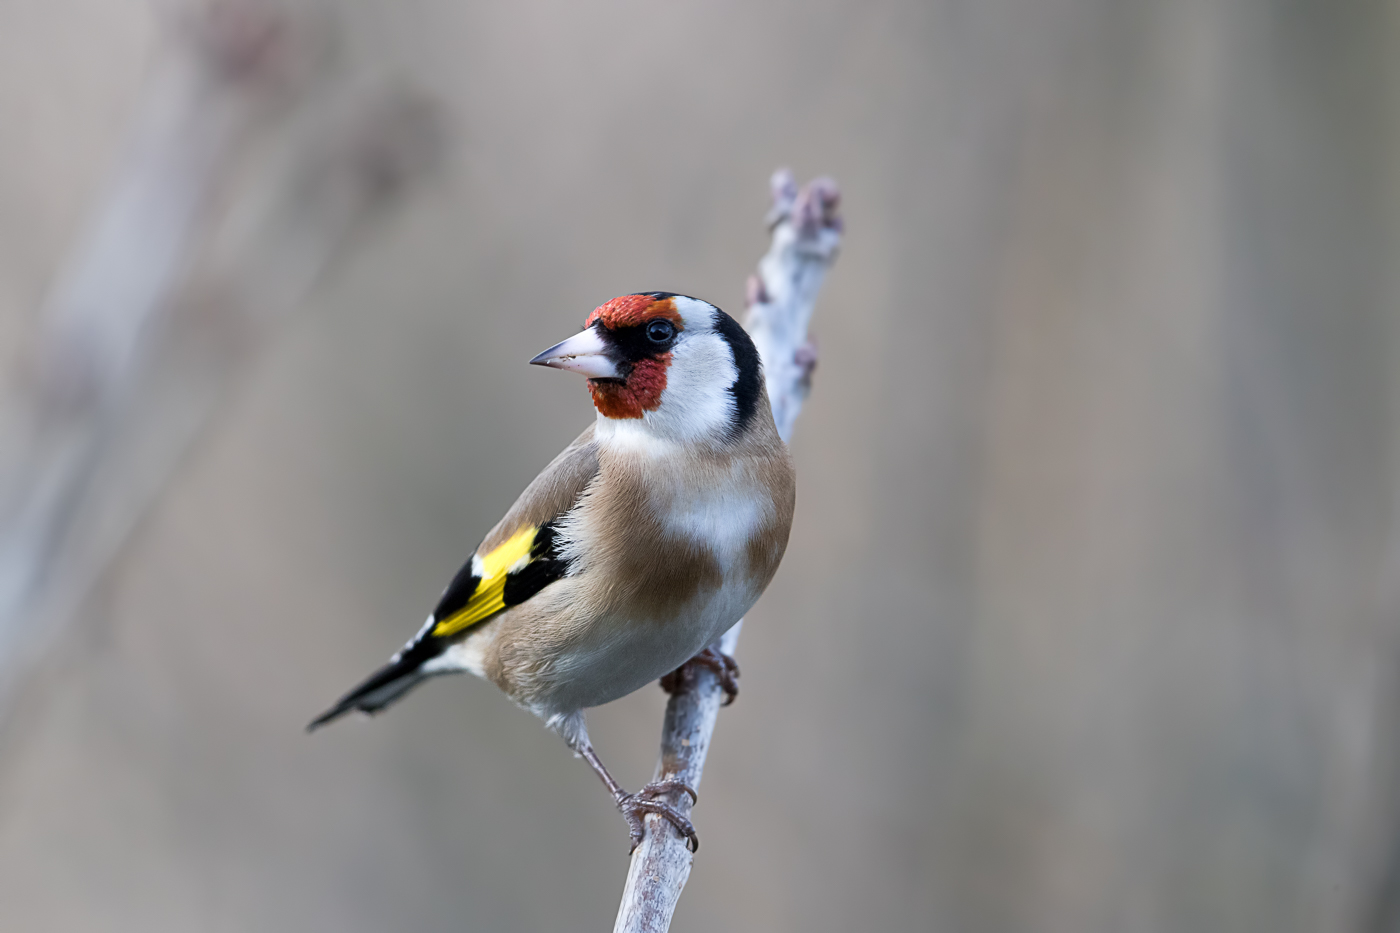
(728,677)
(633,807)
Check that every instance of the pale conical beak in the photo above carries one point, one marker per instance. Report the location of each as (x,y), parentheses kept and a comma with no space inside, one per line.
(583,353)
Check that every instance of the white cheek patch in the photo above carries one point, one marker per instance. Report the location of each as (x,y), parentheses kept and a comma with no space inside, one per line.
(697,402)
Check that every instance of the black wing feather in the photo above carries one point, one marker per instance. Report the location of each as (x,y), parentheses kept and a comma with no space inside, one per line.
(403,670)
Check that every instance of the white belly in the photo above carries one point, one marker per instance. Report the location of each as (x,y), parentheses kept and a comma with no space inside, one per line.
(624,655)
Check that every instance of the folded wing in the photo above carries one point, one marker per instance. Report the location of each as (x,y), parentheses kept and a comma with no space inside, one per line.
(519,558)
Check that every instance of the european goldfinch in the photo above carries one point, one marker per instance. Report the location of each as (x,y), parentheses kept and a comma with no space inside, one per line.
(635,549)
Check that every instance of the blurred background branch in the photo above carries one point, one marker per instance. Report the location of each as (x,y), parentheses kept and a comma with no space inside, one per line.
(806,236)
(191,261)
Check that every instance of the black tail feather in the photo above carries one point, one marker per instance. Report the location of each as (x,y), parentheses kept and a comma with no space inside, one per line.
(385,685)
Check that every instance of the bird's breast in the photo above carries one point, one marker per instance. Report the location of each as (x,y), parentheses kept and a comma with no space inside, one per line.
(665,555)
(720,519)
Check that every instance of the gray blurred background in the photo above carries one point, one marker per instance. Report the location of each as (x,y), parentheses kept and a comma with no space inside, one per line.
(1089,618)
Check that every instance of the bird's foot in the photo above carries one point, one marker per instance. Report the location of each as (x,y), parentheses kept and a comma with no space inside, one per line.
(636,806)
(725,668)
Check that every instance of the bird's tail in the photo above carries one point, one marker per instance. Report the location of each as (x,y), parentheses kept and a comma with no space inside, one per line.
(384,686)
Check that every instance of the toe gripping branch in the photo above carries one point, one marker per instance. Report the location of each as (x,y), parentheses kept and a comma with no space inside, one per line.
(634,808)
(725,668)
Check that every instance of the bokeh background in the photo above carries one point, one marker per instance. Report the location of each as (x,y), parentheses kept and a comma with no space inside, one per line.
(1089,620)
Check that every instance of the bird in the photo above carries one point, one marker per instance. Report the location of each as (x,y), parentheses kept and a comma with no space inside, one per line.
(640,544)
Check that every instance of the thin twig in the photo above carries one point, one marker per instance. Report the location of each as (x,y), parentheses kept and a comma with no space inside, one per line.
(806,235)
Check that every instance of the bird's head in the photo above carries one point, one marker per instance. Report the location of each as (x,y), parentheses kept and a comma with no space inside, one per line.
(673,366)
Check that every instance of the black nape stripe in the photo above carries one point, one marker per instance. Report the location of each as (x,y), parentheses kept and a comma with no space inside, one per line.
(545,566)
(745,388)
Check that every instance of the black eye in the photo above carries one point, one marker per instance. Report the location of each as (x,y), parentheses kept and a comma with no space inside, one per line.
(660,331)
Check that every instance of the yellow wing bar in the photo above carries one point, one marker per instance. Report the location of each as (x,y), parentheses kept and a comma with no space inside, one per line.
(489,596)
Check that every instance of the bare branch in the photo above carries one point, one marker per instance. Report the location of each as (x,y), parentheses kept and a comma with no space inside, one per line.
(806,236)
